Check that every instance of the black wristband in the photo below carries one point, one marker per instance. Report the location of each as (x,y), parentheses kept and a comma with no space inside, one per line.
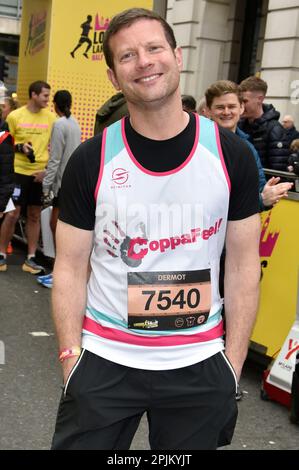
(19,148)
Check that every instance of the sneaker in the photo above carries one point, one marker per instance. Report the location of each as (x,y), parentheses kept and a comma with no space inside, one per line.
(3,263)
(31,266)
(48,282)
(44,277)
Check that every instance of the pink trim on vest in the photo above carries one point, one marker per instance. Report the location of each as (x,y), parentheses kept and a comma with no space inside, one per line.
(221,156)
(164,173)
(173,340)
(102,163)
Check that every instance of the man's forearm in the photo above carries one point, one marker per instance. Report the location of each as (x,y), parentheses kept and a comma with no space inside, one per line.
(69,302)
(241,289)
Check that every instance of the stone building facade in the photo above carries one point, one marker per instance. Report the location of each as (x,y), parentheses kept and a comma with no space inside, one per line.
(232,39)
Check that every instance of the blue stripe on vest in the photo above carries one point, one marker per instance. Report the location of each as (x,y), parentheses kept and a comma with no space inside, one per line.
(114,141)
(207,136)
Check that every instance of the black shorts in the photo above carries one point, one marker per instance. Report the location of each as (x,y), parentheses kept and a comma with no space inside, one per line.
(26,191)
(190,408)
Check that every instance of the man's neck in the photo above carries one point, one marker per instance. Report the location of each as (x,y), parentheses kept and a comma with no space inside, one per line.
(31,106)
(257,115)
(161,122)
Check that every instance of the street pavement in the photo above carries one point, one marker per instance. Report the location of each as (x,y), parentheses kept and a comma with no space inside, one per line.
(30,378)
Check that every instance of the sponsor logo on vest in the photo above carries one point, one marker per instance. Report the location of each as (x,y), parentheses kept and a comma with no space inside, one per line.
(120,176)
(139,247)
(201,319)
(147,324)
(179,322)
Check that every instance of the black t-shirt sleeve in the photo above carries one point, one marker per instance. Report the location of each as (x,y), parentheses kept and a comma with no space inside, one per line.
(243,174)
(76,197)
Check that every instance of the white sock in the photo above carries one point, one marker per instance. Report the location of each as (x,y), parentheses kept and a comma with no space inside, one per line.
(3,254)
(31,256)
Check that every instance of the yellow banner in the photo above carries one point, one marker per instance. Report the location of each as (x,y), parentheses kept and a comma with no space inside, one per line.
(280,263)
(34,45)
(71,56)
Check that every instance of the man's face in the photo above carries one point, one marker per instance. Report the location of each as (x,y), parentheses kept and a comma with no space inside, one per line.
(146,69)
(226,111)
(5,110)
(287,122)
(252,101)
(41,100)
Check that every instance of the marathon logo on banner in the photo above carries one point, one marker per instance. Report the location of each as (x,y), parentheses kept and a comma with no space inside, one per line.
(92,36)
(36,33)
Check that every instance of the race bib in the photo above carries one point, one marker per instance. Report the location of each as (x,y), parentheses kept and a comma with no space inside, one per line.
(168,300)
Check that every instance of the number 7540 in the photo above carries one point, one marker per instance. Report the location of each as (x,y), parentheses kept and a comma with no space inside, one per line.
(164,300)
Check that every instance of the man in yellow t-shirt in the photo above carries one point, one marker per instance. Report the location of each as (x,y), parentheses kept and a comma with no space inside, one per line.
(31,126)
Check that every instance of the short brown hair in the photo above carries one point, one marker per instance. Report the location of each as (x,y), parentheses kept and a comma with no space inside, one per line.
(294,145)
(36,87)
(125,19)
(219,88)
(254,84)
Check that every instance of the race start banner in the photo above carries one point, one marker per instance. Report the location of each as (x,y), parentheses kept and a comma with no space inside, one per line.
(62,44)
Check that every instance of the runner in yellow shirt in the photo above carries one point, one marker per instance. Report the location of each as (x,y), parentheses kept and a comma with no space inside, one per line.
(31,127)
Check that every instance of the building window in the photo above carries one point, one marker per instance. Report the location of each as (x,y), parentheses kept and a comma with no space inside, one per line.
(11,8)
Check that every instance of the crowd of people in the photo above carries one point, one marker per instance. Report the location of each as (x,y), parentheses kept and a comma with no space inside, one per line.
(36,173)
(142,214)
(274,141)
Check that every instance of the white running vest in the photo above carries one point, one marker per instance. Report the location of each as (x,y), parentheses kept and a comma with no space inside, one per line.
(153,300)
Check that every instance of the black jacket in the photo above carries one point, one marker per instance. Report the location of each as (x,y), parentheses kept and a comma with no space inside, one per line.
(6,168)
(111,111)
(291,134)
(269,138)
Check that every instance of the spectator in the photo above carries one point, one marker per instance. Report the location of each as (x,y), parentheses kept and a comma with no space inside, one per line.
(9,104)
(293,161)
(65,138)
(3,123)
(202,107)
(6,175)
(31,127)
(260,121)
(224,104)
(112,110)
(189,103)
(290,129)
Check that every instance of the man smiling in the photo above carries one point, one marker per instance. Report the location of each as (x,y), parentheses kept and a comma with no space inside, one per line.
(225,106)
(146,334)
